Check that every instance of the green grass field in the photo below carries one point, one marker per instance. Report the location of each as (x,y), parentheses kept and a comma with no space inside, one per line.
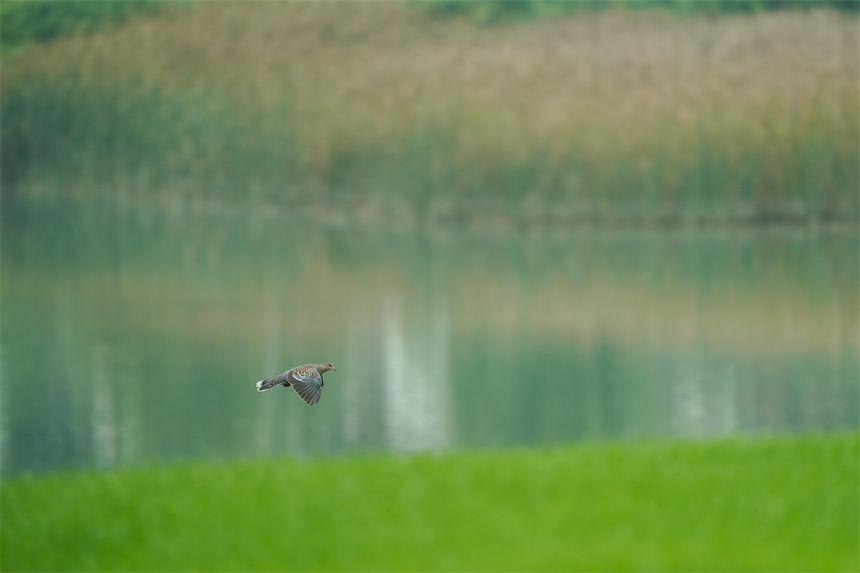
(742,504)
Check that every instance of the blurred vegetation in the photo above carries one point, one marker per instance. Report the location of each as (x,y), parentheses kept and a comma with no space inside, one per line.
(33,21)
(778,504)
(499,11)
(137,137)
(26,21)
(384,110)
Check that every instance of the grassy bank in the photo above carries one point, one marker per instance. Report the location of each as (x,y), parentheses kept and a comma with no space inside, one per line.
(381,110)
(742,504)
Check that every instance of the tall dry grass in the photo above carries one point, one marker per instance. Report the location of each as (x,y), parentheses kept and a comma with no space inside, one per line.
(601,115)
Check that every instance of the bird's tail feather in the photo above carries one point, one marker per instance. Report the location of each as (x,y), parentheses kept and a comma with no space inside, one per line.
(264,385)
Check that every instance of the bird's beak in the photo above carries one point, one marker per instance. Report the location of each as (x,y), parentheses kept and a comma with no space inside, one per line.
(334,369)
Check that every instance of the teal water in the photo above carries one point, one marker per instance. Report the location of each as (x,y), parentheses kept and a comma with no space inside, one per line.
(134,334)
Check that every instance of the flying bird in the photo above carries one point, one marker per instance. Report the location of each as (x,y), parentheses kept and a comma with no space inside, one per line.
(306,380)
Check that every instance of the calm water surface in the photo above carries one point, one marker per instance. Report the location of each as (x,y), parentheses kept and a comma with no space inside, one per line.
(135,334)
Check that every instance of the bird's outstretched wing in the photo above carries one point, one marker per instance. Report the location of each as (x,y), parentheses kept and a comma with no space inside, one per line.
(307,383)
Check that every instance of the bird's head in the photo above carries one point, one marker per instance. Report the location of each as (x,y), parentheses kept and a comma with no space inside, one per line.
(325,367)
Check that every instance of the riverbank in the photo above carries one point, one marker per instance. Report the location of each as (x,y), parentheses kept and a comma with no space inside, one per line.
(777,504)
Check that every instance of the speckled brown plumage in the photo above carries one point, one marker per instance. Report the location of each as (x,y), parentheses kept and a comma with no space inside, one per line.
(306,380)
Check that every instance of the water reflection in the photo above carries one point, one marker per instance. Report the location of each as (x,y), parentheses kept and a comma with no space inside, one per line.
(104,433)
(704,405)
(416,378)
(136,334)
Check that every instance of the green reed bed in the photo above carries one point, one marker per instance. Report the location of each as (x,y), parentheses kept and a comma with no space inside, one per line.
(129,137)
(771,504)
(69,136)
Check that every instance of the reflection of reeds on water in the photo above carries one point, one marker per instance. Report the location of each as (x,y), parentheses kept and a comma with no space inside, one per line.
(379,107)
(756,293)
(617,334)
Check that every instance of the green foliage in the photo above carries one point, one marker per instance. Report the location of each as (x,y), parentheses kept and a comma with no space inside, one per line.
(134,137)
(26,21)
(499,11)
(782,504)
